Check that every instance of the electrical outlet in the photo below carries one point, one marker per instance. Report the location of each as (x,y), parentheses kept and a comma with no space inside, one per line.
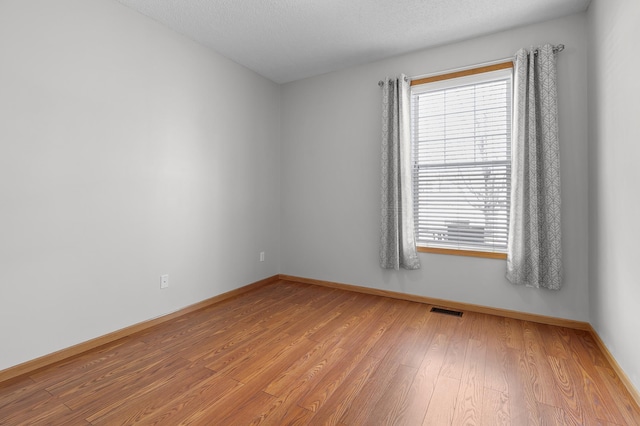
(261,256)
(164,281)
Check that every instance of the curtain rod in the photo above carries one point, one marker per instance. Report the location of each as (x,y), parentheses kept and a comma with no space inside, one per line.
(556,49)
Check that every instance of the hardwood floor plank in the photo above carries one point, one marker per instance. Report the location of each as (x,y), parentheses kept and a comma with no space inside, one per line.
(335,376)
(97,403)
(365,401)
(470,396)
(391,407)
(419,332)
(294,416)
(42,414)
(457,331)
(273,365)
(334,408)
(294,353)
(205,394)
(392,323)
(553,343)
(22,389)
(148,401)
(278,329)
(207,321)
(471,393)
(93,363)
(424,383)
(383,377)
(477,325)
(287,397)
(553,416)
(109,371)
(583,345)
(350,330)
(443,402)
(369,335)
(342,323)
(314,397)
(247,410)
(496,376)
(27,404)
(514,333)
(495,408)
(233,406)
(298,368)
(523,406)
(584,379)
(97,391)
(233,358)
(278,317)
(570,403)
(82,362)
(214,346)
(247,355)
(543,382)
(590,359)
(335,308)
(325,316)
(626,407)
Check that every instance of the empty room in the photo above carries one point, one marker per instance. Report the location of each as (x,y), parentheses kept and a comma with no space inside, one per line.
(233,212)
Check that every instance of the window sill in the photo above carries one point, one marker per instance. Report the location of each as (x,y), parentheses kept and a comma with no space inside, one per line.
(470,253)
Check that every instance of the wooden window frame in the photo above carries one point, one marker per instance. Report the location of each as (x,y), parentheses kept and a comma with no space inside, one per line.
(449,76)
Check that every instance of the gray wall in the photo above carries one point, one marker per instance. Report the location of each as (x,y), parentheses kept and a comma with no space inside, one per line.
(330,178)
(614,136)
(126,151)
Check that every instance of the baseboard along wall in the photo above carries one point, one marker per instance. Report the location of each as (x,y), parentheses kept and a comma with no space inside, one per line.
(29,367)
(18,371)
(542,319)
(576,325)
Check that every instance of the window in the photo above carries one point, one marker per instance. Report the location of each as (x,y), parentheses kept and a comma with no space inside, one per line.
(461,141)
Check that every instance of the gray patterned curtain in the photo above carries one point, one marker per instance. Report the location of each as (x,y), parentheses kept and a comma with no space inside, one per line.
(534,250)
(397,238)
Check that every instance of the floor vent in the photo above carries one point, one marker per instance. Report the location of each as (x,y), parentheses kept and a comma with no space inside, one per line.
(446,312)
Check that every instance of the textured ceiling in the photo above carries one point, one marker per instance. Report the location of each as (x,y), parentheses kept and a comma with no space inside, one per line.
(287,40)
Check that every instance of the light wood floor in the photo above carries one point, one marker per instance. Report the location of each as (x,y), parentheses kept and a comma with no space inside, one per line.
(291,353)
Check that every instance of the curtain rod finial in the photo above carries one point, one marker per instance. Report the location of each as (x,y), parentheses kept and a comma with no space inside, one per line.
(381,82)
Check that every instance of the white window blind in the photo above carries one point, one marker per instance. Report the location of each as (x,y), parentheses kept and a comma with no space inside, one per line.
(461,136)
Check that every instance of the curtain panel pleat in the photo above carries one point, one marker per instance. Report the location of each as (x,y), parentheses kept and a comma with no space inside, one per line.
(397,236)
(534,255)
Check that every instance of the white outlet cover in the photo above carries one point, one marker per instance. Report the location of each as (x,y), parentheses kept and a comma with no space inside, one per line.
(164,281)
